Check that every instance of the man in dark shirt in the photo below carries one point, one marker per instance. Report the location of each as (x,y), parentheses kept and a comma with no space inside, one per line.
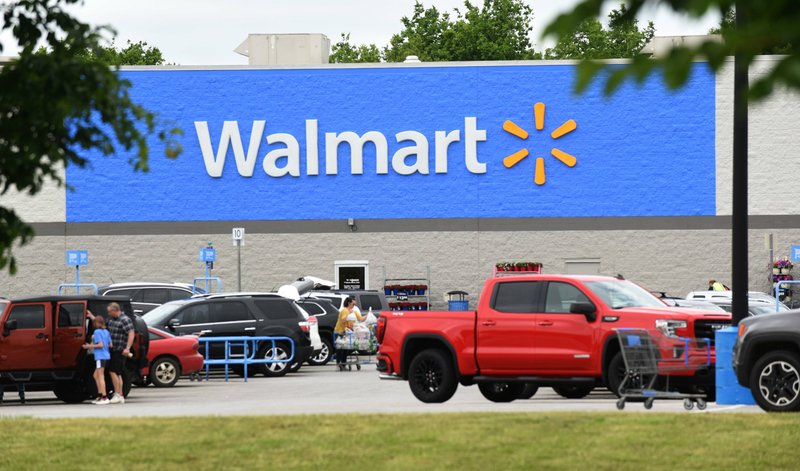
(121,329)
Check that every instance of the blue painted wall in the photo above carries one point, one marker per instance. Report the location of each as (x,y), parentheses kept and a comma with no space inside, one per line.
(647,151)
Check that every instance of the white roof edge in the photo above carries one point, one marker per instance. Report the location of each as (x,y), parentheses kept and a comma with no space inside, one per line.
(397,65)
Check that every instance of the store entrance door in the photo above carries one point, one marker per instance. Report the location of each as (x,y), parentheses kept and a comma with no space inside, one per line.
(352,274)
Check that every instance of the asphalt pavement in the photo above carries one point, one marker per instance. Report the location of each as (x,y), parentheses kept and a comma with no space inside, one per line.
(315,390)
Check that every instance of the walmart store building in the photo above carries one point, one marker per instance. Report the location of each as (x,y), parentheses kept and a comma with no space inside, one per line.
(424,170)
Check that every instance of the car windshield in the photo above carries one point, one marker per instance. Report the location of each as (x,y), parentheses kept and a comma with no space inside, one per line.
(765,308)
(620,294)
(161,315)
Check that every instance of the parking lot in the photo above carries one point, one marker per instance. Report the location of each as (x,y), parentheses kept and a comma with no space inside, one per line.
(313,390)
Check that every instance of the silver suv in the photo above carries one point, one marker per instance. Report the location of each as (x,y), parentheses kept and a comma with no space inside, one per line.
(146,296)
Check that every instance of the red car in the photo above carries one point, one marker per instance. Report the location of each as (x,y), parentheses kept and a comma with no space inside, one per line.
(170,357)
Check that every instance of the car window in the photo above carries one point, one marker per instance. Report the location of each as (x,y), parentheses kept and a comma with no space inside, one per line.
(313,309)
(28,317)
(178,294)
(277,309)
(162,314)
(70,315)
(372,301)
(194,314)
(154,295)
(336,301)
(515,296)
(153,336)
(560,296)
(230,311)
(127,292)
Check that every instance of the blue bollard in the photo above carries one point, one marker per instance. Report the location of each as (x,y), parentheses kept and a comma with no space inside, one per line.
(729,391)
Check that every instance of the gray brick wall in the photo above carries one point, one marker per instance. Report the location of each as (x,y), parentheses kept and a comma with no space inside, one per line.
(675,261)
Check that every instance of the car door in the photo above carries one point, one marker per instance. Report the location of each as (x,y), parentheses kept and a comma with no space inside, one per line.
(232,319)
(505,330)
(28,347)
(564,341)
(70,333)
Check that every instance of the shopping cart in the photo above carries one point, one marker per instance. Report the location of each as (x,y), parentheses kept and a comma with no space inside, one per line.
(651,358)
(360,344)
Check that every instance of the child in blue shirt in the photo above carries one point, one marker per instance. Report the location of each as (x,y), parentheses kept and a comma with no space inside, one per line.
(101,346)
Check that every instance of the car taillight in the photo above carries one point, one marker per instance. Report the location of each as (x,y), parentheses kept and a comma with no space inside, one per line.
(196,346)
(304,326)
(380,329)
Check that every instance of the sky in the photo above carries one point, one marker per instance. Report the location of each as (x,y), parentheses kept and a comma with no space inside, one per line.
(205,32)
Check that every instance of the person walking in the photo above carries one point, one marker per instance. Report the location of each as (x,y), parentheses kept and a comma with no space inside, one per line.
(121,329)
(101,349)
(347,317)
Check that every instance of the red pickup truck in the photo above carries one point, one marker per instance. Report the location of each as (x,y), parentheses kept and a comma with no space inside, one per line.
(535,330)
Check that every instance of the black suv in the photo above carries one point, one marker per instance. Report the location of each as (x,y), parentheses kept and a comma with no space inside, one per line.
(766,358)
(41,344)
(146,296)
(238,315)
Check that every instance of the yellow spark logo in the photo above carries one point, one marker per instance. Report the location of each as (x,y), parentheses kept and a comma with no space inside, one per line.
(538,113)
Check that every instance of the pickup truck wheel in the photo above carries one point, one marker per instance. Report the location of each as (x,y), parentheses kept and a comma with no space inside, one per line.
(528,391)
(775,381)
(573,392)
(616,373)
(71,392)
(431,376)
(497,391)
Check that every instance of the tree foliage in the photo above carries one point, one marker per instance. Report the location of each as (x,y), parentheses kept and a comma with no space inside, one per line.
(57,105)
(138,53)
(345,52)
(728,23)
(622,39)
(767,25)
(495,30)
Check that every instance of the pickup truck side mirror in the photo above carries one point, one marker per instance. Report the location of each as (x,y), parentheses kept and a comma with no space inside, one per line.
(587,309)
(173,323)
(10,325)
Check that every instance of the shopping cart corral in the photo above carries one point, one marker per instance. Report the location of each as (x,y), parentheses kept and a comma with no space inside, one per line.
(651,358)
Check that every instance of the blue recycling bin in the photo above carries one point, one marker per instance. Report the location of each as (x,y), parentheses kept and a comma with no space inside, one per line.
(457,301)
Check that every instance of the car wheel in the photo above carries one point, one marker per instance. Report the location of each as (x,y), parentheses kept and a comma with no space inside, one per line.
(274,370)
(572,391)
(528,391)
(498,391)
(324,355)
(165,372)
(71,392)
(616,373)
(431,376)
(775,381)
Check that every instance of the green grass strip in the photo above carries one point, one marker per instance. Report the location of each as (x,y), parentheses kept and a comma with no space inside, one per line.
(486,441)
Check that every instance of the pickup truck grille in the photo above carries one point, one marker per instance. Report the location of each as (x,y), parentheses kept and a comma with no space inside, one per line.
(705,329)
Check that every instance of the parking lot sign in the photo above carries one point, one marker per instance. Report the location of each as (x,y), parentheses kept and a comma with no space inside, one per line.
(208,255)
(238,236)
(77,258)
(795,253)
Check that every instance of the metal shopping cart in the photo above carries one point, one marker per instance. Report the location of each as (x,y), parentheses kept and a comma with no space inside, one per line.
(360,344)
(651,358)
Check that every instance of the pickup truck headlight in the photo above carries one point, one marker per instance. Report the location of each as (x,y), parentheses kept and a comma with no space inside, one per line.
(669,327)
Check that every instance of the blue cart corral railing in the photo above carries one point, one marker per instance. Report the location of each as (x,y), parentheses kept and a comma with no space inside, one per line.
(249,347)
